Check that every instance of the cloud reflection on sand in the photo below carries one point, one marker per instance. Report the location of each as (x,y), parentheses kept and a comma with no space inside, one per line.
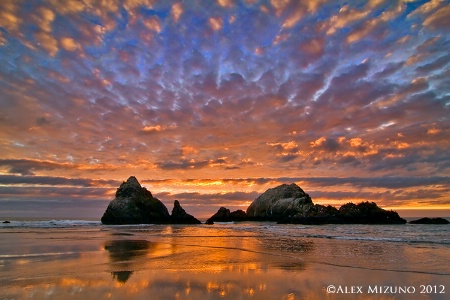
(200,262)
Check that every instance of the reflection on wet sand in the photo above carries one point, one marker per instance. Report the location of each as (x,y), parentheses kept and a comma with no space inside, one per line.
(182,262)
(122,254)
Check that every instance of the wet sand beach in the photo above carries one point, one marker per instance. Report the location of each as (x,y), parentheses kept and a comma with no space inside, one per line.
(223,261)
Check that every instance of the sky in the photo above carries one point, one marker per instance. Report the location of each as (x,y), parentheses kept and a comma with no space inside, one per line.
(214,102)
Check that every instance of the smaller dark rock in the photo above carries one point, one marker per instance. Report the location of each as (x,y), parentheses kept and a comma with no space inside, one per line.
(224,215)
(238,215)
(180,216)
(368,213)
(436,221)
(350,213)
(6,222)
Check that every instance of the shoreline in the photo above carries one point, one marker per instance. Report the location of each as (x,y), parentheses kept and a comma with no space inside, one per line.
(223,261)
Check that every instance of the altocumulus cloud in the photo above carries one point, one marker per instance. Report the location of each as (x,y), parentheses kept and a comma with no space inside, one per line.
(249,93)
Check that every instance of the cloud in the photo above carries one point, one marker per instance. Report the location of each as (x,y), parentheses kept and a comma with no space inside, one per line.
(439,19)
(344,18)
(176,11)
(181,90)
(225,3)
(56,181)
(8,16)
(327,144)
(29,167)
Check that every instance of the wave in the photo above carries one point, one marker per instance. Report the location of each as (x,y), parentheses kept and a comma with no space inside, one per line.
(435,235)
(379,239)
(50,224)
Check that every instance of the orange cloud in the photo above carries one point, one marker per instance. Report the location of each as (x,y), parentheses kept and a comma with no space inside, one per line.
(433,131)
(294,18)
(152,128)
(176,11)
(279,5)
(69,44)
(345,17)
(68,6)
(188,150)
(48,42)
(153,24)
(439,19)
(285,146)
(215,23)
(362,32)
(2,39)
(45,18)
(355,142)
(318,142)
(8,15)
(426,7)
(225,3)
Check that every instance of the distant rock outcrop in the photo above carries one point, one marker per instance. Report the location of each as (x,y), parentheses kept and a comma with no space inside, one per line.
(433,221)
(368,213)
(134,204)
(180,216)
(290,204)
(224,215)
(280,202)
(350,213)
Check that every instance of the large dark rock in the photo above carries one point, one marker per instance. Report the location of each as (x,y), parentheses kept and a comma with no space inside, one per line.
(134,204)
(434,221)
(224,215)
(283,201)
(180,216)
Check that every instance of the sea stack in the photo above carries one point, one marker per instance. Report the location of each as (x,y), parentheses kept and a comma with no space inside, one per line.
(180,216)
(134,204)
(225,215)
(279,202)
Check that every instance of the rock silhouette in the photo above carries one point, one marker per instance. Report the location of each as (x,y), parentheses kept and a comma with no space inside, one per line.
(225,215)
(180,216)
(350,213)
(134,204)
(434,221)
(286,203)
(279,202)
(122,254)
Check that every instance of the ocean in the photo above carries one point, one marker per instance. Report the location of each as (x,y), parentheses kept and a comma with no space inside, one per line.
(83,259)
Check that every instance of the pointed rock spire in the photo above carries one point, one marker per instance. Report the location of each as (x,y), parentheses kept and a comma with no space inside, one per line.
(180,216)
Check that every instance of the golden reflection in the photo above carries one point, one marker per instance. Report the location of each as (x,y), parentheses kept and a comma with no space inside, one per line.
(218,262)
(122,254)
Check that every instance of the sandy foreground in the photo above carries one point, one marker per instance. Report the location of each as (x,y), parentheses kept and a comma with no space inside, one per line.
(201,262)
